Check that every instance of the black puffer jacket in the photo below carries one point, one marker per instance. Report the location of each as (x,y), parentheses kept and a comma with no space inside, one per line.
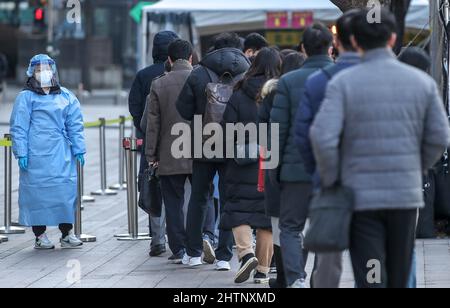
(192,100)
(244,205)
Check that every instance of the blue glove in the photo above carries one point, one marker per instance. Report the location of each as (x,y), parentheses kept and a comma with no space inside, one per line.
(23,163)
(80,158)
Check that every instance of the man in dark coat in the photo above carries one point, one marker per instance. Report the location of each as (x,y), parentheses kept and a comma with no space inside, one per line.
(328,269)
(296,186)
(225,58)
(136,103)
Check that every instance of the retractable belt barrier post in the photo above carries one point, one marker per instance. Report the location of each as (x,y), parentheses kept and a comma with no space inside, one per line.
(78,217)
(131,148)
(8,228)
(104,191)
(121,184)
(84,198)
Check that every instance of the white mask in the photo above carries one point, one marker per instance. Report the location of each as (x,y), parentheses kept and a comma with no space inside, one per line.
(45,78)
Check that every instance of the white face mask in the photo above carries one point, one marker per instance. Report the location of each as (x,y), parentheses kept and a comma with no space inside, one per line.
(45,78)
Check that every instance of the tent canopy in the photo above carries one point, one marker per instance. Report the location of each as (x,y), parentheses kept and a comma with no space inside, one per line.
(194,18)
(209,14)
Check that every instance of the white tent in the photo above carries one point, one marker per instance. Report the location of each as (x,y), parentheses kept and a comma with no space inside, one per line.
(210,17)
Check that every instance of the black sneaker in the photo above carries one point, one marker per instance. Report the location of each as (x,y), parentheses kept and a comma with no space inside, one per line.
(249,264)
(177,258)
(158,250)
(273,267)
(275,284)
(261,278)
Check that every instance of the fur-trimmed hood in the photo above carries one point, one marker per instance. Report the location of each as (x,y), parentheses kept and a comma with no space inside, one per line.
(269,87)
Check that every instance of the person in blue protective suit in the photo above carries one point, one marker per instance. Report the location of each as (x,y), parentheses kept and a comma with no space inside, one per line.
(48,139)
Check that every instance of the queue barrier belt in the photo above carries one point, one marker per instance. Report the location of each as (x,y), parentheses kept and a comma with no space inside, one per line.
(5,143)
(107,122)
(8,143)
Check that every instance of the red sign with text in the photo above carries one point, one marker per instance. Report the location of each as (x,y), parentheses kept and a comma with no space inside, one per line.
(277,20)
(301,20)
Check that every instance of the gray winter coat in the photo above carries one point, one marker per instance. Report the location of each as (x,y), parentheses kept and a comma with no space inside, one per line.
(381,126)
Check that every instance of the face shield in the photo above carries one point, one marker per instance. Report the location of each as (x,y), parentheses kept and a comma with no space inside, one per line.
(44,71)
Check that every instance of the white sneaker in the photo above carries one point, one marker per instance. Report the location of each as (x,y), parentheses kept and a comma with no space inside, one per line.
(223,266)
(192,262)
(298,284)
(71,241)
(43,243)
(186,259)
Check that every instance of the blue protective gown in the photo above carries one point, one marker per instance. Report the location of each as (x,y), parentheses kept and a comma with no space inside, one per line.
(48,129)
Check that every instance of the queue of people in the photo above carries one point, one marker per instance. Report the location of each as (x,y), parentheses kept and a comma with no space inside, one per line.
(362,120)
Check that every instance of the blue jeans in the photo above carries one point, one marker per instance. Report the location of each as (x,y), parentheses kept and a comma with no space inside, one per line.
(412,282)
(295,199)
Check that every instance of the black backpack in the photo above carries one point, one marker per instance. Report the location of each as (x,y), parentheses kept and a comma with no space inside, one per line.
(218,94)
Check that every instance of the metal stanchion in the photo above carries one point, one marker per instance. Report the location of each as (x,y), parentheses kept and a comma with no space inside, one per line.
(78,217)
(8,228)
(131,148)
(84,198)
(121,185)
(103,191)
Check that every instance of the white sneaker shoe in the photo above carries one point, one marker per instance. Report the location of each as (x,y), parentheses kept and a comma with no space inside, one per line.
(71,241)
(43,243)
(223,266)
(298,284)
(192,262)
(186,259)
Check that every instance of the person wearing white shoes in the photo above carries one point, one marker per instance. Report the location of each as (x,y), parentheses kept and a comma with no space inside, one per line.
(48,141)
(68,240)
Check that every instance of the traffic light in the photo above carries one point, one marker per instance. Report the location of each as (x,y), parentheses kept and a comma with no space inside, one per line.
(39,14)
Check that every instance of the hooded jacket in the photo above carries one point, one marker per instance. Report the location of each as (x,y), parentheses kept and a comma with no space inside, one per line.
(141,85)
(192,100)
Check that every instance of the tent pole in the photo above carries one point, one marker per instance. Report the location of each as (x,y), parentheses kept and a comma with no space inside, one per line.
(143,52)
(436,46)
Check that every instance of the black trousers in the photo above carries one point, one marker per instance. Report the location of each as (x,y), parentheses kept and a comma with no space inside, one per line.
(202,177)
(382,245)
(173,192)
(64,228)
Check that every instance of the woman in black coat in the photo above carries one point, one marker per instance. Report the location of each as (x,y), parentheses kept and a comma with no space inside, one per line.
(245,209)
(291,62)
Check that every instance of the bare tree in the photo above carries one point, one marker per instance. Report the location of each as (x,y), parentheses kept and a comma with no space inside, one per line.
(398,7)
